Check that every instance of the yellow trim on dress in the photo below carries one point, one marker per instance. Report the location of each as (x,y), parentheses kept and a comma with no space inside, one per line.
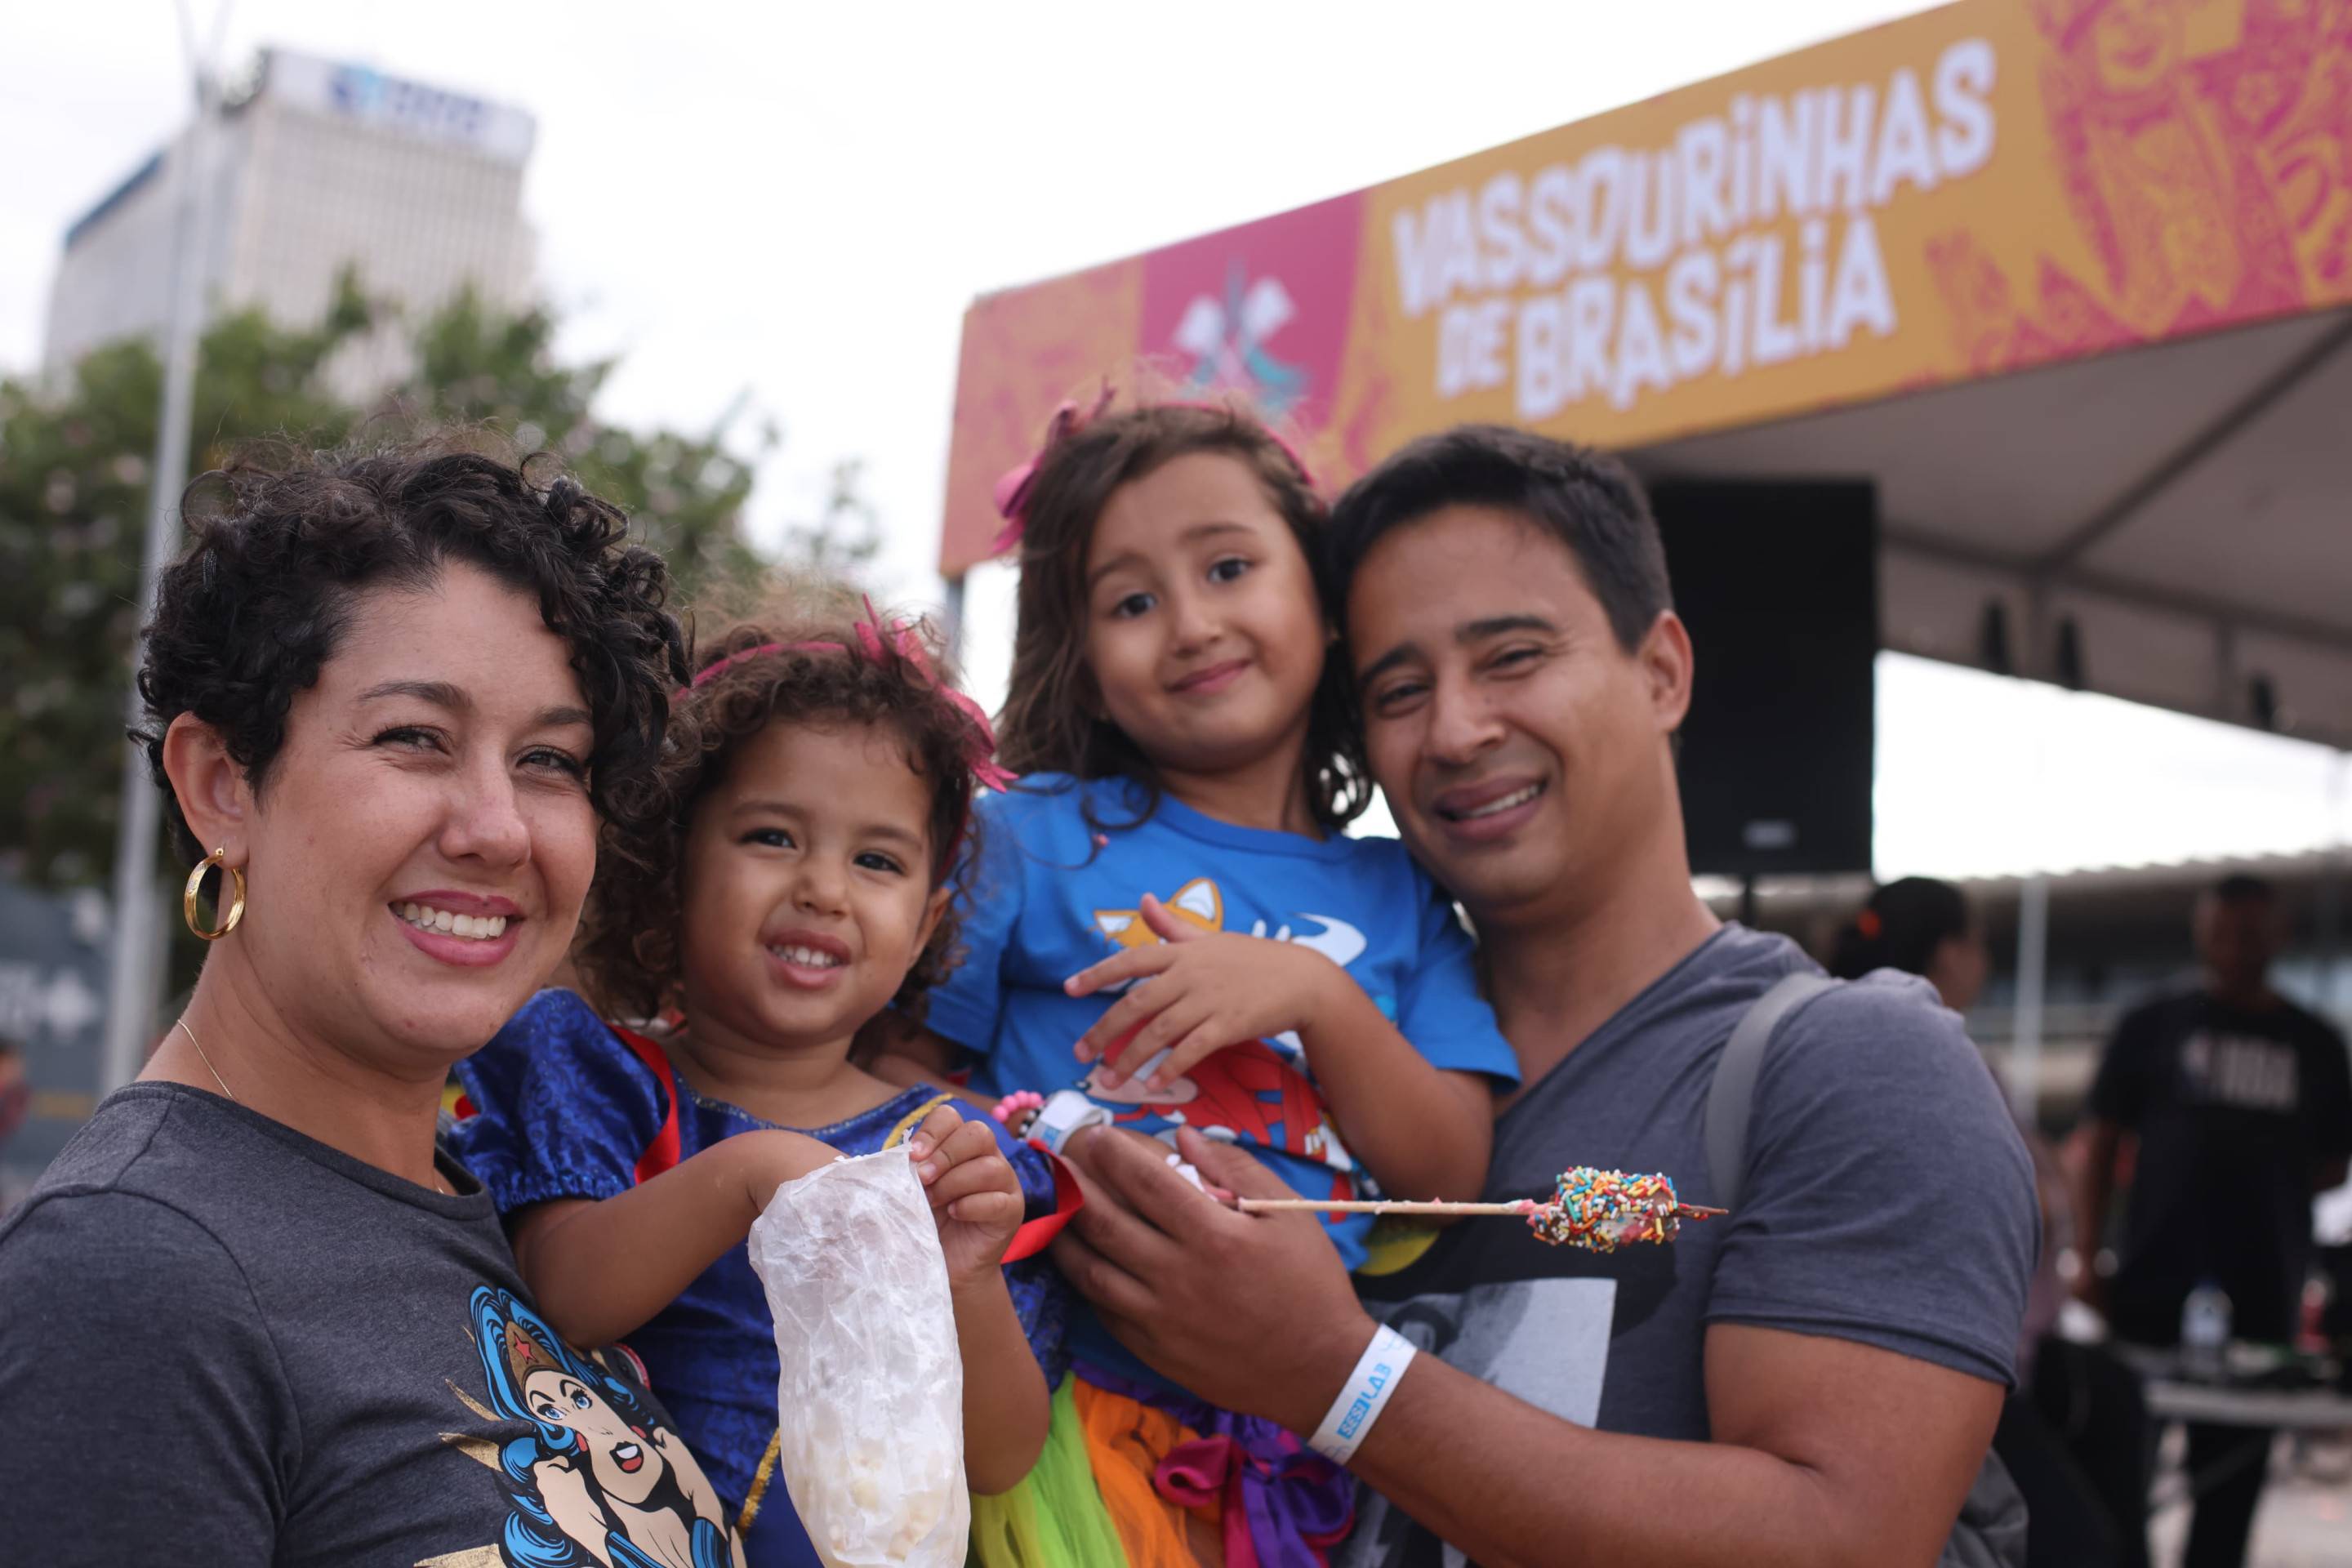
(914,1119)
(761,1477)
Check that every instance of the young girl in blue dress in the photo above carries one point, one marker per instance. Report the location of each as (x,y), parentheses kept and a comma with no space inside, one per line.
(821,781)
(1166,910)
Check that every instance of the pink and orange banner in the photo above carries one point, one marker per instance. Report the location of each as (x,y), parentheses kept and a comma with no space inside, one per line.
(1989,185)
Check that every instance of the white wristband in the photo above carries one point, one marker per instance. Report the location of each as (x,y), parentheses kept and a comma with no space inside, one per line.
(1066,1113)
(1365,1396)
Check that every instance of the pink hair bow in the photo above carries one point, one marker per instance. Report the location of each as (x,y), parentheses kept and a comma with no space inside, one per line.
(1013,490)
(716,667)
(1012,494)
(880,643)
(907,642)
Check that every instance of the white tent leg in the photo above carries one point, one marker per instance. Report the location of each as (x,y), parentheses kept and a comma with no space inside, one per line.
(2032,952)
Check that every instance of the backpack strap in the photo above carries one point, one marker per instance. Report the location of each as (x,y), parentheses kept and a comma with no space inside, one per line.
(1991,1527)
(660,1155)
(1733,1090)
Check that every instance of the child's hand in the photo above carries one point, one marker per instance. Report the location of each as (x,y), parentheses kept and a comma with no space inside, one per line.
(974,1195)
(1203,991)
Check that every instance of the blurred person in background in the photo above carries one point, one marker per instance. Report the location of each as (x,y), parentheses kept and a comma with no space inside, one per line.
(1922,927)
(2072,1433)
(2241,1103)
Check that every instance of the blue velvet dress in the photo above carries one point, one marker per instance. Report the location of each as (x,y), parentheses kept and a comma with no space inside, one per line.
(564,1109)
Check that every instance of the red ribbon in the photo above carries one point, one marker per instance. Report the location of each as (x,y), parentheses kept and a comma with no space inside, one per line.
(1035,1235)
(660,1155)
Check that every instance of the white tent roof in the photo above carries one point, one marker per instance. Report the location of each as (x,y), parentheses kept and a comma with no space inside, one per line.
(2186,508)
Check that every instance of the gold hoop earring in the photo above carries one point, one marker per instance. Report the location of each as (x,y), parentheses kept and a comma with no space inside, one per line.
(233,883)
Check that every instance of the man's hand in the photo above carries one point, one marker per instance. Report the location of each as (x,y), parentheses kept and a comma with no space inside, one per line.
(1251,1312)
(1201,992)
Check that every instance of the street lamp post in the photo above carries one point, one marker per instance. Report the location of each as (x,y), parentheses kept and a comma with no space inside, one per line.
(135,973)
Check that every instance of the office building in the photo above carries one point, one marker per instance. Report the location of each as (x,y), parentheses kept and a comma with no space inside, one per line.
(314,166)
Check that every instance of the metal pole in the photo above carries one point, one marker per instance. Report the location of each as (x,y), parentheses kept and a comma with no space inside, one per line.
(133,983)
(2033,949)
(2331,891)
(955,594)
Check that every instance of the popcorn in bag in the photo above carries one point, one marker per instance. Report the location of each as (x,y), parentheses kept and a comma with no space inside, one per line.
(870,1401)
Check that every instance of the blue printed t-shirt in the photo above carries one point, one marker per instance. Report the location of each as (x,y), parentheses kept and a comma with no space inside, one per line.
(564,1109)
(1053,893)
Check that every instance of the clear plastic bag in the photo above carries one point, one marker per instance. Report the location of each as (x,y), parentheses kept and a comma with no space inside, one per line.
(870,1400)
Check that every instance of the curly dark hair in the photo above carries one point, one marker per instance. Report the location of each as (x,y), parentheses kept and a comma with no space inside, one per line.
(1053,719)
(283,541)
(757,672)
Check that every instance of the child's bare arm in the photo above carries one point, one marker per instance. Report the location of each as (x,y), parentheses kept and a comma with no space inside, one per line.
(600,1268)
(1005,1407)
(977,1199)
(1420,1130)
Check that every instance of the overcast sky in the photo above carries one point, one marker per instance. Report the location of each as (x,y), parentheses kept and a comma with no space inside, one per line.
(797,201)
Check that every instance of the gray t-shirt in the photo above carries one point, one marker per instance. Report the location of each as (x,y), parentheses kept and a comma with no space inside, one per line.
(222,1342)
(1889,1200)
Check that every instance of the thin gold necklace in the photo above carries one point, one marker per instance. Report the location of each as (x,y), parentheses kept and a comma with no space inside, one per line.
(207,1061)
(233,1099)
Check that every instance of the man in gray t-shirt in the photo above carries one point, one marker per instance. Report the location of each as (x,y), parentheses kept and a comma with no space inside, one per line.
(1811,1380)
(1866,1112)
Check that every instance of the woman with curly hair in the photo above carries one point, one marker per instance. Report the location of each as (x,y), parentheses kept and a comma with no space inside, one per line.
(390,695)
(819,779)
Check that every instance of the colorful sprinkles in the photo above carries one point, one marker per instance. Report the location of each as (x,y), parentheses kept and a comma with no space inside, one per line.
(1600,1211)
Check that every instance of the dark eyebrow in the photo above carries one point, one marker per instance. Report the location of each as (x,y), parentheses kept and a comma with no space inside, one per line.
(1496,625)
(1465,634)
(440,693)
(444,694)
(1107,568)
(1198,530)
(911,842)
(1404,653)
(889,831)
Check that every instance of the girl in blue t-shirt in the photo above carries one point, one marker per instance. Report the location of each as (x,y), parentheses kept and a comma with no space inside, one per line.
(787,885)
(1165,921)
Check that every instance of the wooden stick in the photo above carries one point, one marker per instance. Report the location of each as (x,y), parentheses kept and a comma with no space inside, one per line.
(1520,1207)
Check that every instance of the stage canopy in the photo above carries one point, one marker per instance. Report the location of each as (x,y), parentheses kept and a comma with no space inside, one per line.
(2071,279)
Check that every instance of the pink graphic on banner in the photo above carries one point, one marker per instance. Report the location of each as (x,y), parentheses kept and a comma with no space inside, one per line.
(2213,188)
(1261,309)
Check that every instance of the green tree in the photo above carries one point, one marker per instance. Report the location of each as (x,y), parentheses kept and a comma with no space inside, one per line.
(686,492)
(73,504)
(73,510)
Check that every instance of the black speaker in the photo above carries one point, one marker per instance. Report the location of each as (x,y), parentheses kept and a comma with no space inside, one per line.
(1778,584)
